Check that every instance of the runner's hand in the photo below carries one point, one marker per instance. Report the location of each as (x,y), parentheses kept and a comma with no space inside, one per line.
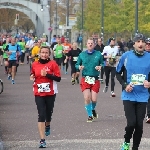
(146,84)
(65,61)
(43,72)
(32,77)
(98,68)
(81,67)
(129,88)
(9,53)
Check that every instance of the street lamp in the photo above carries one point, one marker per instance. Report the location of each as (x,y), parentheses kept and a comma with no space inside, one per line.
(56,15)
(102,20)
(42,8)
(136,16)
(67,19)
(82,28)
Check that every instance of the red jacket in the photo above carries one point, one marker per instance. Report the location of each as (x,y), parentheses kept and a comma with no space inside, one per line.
(43,86)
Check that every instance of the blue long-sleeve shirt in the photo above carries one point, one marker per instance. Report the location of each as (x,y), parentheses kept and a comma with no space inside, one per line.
(133,66)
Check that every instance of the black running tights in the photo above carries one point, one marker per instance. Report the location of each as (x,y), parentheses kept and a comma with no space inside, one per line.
(135,114)
(45,105)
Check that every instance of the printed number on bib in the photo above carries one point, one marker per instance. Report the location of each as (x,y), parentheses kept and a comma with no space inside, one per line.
(90,80)
(59,51)
(138,79)
(75,58)
(43,87)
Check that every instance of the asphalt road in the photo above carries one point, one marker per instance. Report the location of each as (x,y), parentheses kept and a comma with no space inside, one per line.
(69,129)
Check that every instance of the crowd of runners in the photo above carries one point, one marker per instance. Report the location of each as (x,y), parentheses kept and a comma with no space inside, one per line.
(97,62)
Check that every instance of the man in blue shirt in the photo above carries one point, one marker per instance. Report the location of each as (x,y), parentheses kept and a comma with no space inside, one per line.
(12,50)
(133,74)
(147,48)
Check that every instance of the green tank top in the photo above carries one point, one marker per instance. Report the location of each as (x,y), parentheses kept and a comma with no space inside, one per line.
(4,54)
(58,52)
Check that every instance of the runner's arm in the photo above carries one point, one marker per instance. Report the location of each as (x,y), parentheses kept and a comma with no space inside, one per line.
(56,75)
(101,60)
(79,62)
(121,73)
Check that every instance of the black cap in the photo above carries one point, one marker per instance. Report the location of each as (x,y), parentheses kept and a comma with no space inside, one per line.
(147,40)
(112,38)
(36,41)
(139,37)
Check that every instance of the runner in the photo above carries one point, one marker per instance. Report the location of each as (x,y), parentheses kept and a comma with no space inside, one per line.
(110,54)
(1,53)
(100,47)
(90,62)
(12,50)
(147,48)
(132,73)
(35,50)
(45,73)
(74,53)
(44,43)
(58,52)
(22,46)
(29,46)
(67,48)
(5,56)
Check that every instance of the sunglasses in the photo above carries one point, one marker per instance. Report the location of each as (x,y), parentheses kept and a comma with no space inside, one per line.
(148,44)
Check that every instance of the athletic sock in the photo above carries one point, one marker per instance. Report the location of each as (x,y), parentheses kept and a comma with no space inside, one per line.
(93,104)
(88,109)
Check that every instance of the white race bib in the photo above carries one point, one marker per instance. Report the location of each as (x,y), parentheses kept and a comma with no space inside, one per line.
(90,80)
(75,58)
(137,79)
(66,47)
(43,87)
(59,51)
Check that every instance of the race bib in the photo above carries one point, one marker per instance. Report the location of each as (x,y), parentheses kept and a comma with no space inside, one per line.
(138,79)
(90,80)
(43,87)
(75,58)
(59,51)
(66,47)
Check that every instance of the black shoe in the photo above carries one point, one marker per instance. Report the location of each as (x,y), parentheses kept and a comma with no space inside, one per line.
(77,79)
(95,115)
(90,119)
(147,119)
(134,148)
(73,81)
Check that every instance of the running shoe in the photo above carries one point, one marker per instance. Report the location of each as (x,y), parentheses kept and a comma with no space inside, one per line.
(9,77)
(101,80)
(90,119)
(13,81)
(73,81)
(125,146)
(95,115)
(63,68)
(42,144)
(105,89)
(66,72)
(47,131)
(113,94)
(134,148)
(147,119)
(77,79)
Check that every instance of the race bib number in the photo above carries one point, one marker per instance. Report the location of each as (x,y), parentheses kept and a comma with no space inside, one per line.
(75,58)
(90,80)
(43,87)
(66,47)
(137,79)
(59,51)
